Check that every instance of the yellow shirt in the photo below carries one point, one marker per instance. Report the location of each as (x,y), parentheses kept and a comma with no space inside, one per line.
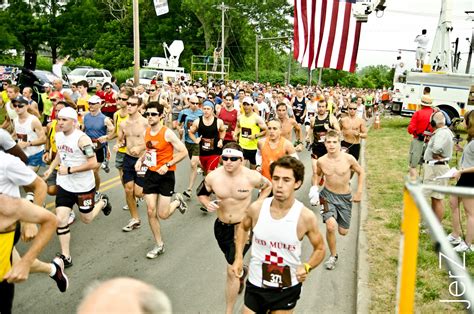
(248,127)
(119,119)
(6,247)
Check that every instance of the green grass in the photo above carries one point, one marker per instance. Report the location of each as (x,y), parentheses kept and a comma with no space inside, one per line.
(387,165)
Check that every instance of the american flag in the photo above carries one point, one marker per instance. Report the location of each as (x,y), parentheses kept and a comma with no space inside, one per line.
(326,34)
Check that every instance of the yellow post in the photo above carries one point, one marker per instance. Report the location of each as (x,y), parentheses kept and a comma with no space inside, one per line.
(408,255)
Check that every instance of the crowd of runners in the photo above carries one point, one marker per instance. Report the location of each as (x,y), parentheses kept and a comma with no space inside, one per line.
(244,138)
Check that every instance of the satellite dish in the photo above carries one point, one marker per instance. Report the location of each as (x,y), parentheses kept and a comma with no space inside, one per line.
(176,48)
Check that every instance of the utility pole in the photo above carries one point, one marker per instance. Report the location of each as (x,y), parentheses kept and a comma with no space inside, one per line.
(136,44)
(223,8)
(256,58)
(471,42)
(320,74)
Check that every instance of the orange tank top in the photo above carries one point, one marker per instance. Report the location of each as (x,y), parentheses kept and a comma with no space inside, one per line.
(162,148)
(269,155)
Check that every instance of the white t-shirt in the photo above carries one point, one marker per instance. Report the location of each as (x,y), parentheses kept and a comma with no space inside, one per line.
(422,41)
(6,141)
(13,174)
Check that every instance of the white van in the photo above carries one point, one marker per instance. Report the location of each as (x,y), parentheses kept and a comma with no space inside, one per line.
(450,92)
(147,74)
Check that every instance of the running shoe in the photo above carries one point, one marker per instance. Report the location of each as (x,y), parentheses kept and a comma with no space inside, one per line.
(188,193)
(331,262)
(125,207)
(72,218)
(107,209)
(452,240)
(66,260)
(30,196)
(157,250)
(183,207)
(463,247)
(105,166)
(245,271)
(204,209)
(132,224)
(60,277)
(200,171)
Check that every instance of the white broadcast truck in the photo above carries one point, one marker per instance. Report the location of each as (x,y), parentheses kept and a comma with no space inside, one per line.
(451,92)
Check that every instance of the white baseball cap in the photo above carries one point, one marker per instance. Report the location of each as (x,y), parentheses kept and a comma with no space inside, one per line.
(248,100)
(201,94)
(95,100)
(69,113)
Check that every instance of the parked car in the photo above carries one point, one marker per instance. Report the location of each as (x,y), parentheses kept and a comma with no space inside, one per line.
(36,79)
(91,75)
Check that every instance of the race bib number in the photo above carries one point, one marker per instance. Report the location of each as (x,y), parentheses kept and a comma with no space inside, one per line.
(150,158)
(22,137)
(274,276)
(85,202)
(207,143)
(246,132)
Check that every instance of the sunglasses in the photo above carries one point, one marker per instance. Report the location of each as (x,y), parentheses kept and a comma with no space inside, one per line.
(18,105)
(233,158)
(151,90)
(124,99)
(352,108)
(195,103)
(132,104)
(53,99)
(150,114)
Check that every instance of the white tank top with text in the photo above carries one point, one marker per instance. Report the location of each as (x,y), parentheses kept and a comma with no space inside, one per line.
(71,155)
(276,249)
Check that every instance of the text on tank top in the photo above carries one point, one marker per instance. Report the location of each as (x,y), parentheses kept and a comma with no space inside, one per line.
(163,150)
(276,249)
(209,138)
(270,155)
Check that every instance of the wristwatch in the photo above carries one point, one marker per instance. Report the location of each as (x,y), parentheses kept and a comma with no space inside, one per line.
(168,164)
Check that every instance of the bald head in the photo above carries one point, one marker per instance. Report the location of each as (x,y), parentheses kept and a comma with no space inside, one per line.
(124,295)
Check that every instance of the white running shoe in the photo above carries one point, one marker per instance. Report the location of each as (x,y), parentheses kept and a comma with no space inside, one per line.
(157,250)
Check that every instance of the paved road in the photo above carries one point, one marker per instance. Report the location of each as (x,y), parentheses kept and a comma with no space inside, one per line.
(191,272)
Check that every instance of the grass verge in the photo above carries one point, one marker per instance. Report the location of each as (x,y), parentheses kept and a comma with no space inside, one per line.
(387,165)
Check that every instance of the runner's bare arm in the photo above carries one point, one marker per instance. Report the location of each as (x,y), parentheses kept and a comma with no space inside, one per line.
(110,131)
(180,149)
(363,129)
(317,175)
(38,129)
(355,166)
(192,131)
(334,123)
(31,213)
(262,183)
(242,234)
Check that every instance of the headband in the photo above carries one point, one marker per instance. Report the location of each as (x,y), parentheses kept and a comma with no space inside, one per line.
(232,153)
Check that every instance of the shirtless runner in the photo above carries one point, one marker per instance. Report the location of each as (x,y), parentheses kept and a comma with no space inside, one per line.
(335,196)
(353,130)
(131,133)
(288,125)
(233,198)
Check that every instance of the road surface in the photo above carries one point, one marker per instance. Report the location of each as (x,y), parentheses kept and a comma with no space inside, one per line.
(192,270)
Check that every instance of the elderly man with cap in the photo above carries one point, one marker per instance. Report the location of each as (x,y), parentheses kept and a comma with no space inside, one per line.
(29,131)
(250,127)
(420,128)
(211,132)
(75,179)
(439,151)
(186,119)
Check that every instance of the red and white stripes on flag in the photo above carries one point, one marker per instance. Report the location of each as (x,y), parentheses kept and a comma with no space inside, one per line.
(326,34)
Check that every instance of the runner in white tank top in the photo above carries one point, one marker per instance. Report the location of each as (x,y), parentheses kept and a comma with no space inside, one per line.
(279,225)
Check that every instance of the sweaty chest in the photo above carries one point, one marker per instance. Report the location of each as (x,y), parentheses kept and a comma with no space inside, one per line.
(339,169)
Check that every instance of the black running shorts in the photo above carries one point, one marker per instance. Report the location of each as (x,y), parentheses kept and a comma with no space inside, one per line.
(262,300)
(85,201)
(129,172)
(156,183)
(224,234)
